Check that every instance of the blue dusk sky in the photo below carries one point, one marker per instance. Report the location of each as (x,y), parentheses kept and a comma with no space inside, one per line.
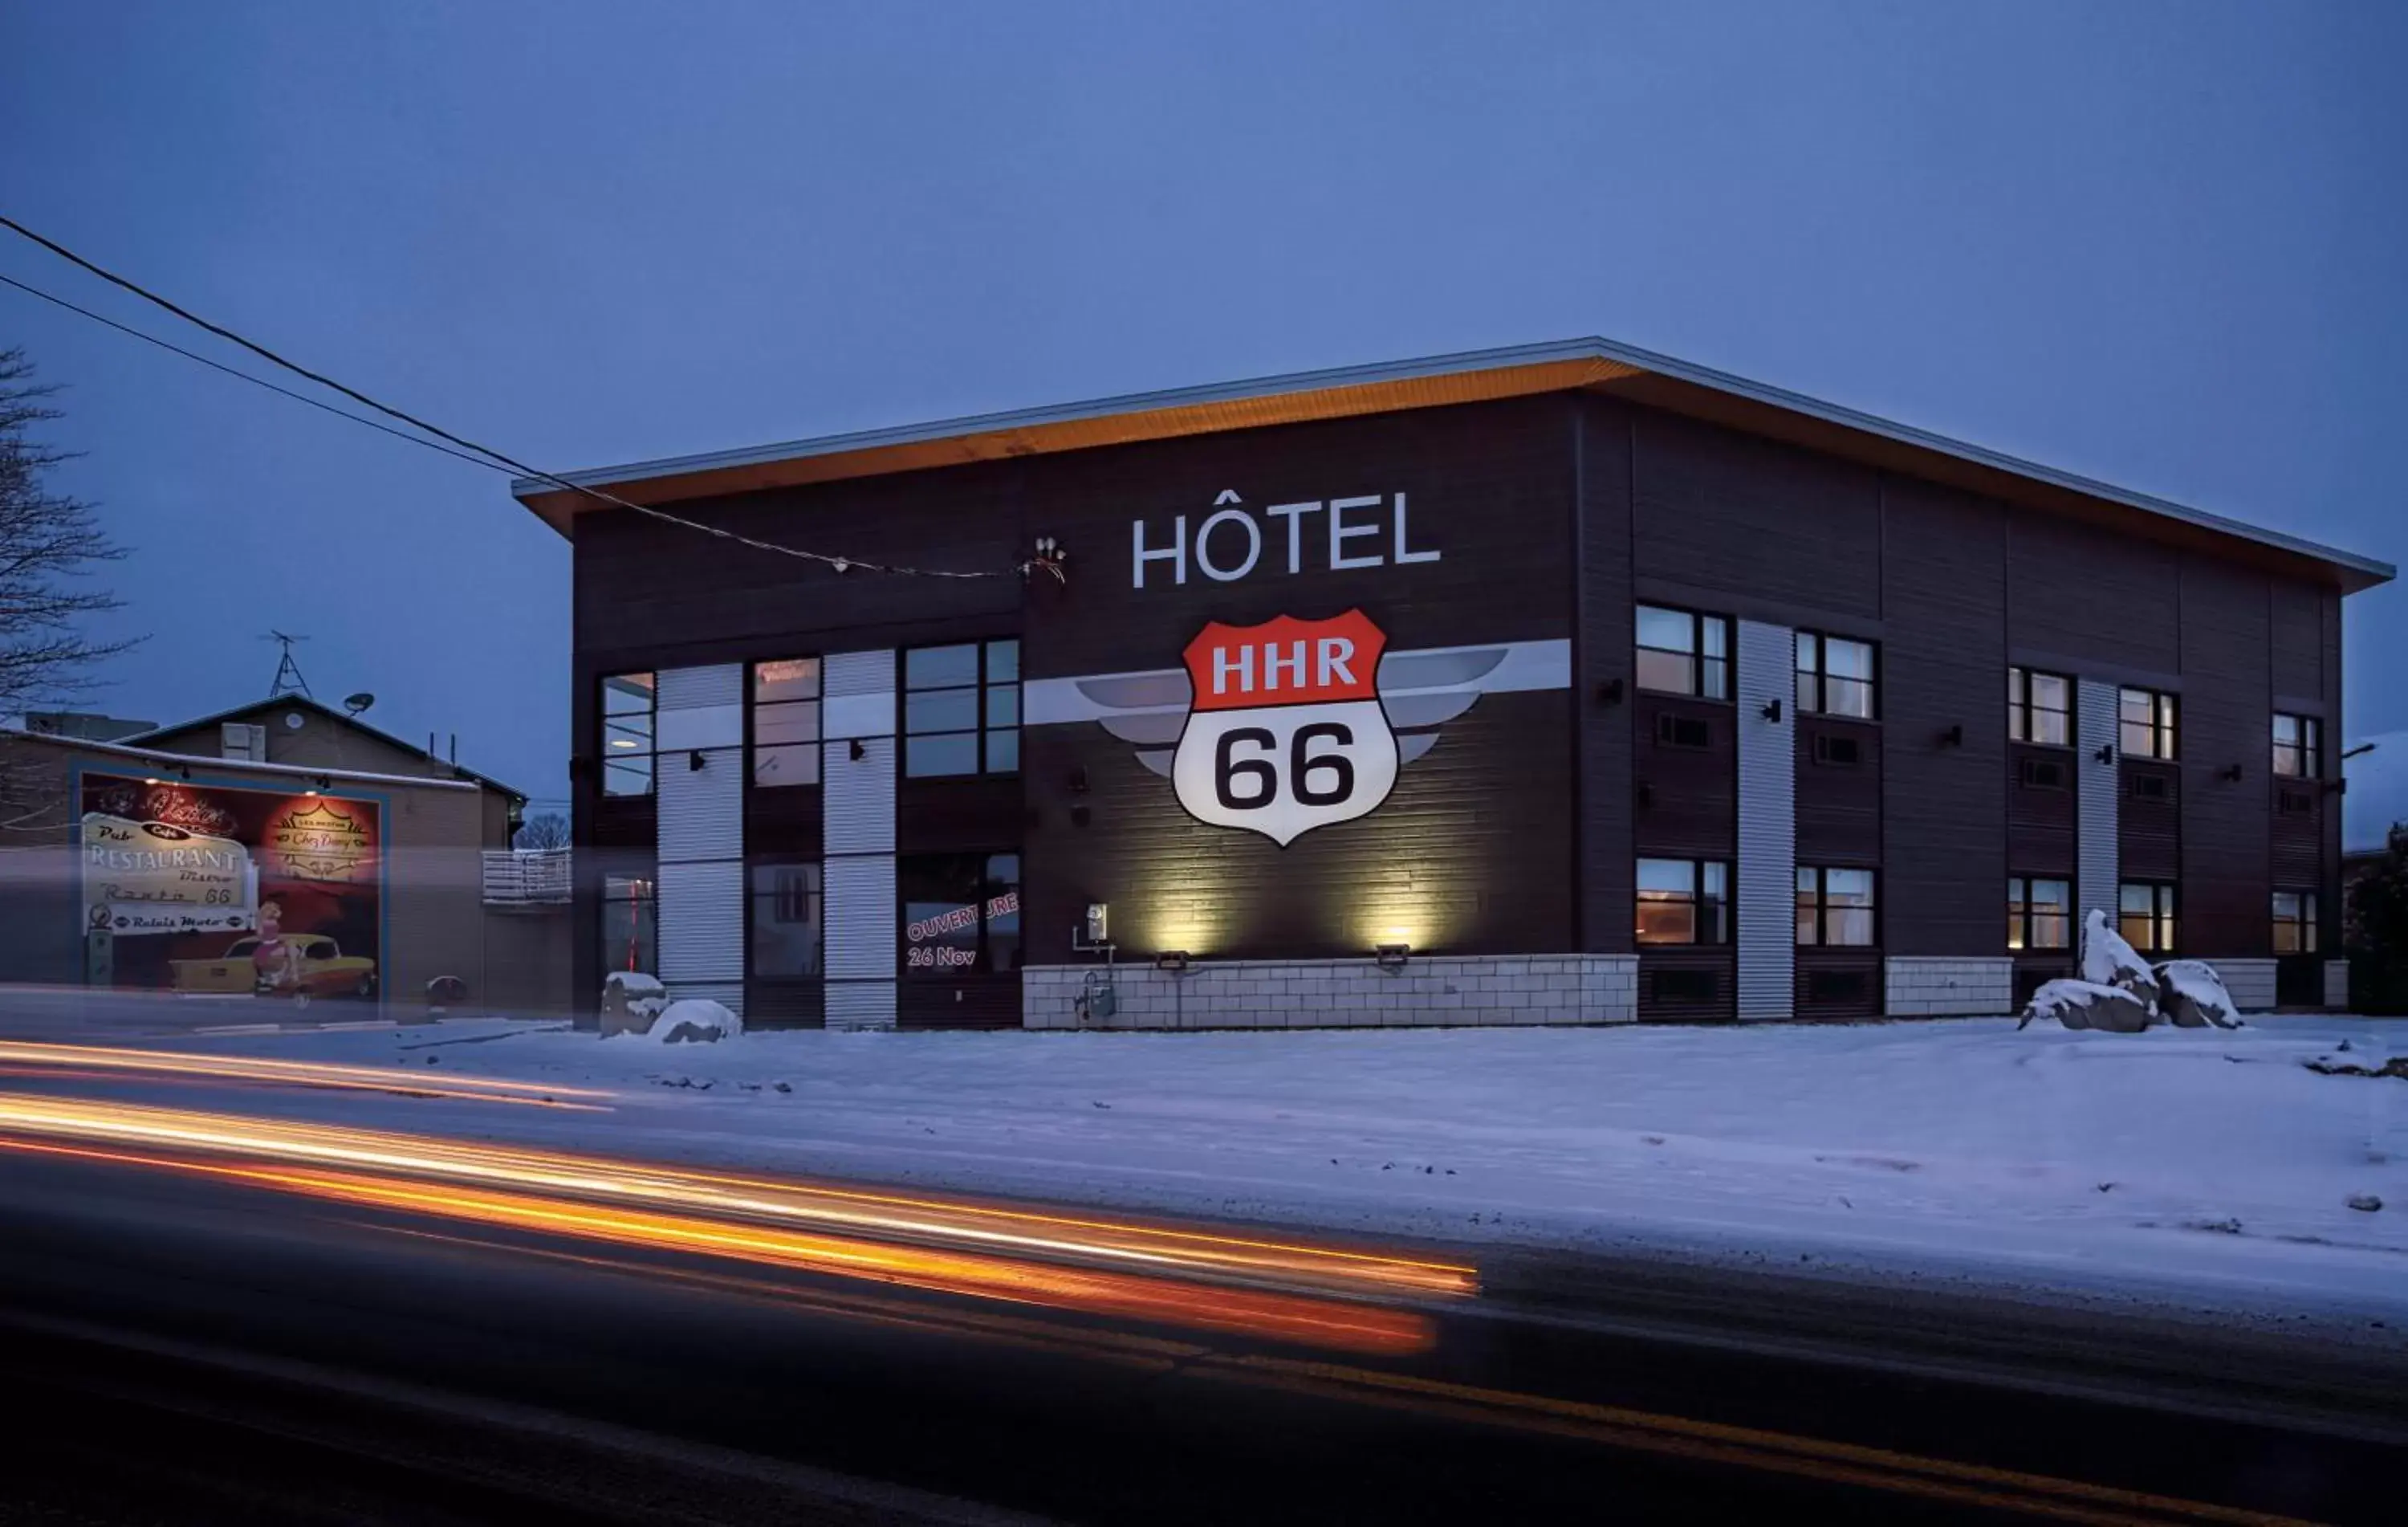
(2157,243)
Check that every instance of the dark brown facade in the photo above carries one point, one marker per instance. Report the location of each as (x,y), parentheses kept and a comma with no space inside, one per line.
(1535,526)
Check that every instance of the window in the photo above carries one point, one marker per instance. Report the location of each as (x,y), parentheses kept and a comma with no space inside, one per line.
(961,915)
(2040,913)
(2295,922)
(1835,675)
(2299,746)
(2039,707)
(1835,906)
(2151,787)
(784,919)
(1684,901)
(2041,774)
(2144,723)
(2145,915)
(627,734)
(786,722)
(961,709)
(630,922)
(1681,653)
(1682,731)
(1837,752)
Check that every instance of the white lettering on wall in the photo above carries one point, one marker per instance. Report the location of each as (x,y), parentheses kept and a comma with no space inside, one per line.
(1228,544)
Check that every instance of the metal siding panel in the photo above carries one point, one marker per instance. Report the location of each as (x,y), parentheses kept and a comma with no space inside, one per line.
(860,915)
(857,797)
(1768,822)
(701,810)
(859,672)
(2100,790)
(687,688)
(860,1004)
(701,727)
(702,922)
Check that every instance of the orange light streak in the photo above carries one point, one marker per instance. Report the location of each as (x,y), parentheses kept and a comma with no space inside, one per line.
(235,1068)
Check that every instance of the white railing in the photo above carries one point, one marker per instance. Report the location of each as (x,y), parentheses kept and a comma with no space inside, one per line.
(527,876)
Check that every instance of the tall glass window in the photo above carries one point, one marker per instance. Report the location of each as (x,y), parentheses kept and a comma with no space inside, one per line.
(2040,913)
(785,907)
(1835,906)
(961,709)
(786,722)
(1684,901)
(627,714)
(2299,746)
(961,915)
(2144,724)
(2295,922)
(1835,675)
(630,923)
(2144,915)
(1682,653)
(2039,707)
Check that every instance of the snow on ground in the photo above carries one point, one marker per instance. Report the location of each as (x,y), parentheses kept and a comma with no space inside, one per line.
(2177,1165)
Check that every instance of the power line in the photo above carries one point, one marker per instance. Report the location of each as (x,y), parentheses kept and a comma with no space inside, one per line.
(841,564)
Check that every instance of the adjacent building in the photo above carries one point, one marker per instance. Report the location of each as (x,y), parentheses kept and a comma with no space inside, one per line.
(1568,684)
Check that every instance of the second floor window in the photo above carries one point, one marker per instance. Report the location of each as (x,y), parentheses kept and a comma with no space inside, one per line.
(1835,906)
(2040,913)
(2295,922)
(1835,675)
(961,710)
(2039,707)
(786,722)
(2299,746)
(2144,915)
(627,710)
(2144,724)
(1683,901)
(1681,653)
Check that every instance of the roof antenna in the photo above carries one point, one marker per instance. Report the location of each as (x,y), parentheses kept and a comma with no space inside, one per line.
(288,679)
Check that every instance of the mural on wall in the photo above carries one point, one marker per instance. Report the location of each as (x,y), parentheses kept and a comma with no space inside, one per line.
(220,891)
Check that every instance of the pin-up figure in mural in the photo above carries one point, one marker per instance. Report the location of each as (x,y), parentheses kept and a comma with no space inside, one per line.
(271,958)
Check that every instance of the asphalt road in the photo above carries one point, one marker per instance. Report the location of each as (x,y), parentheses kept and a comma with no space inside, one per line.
(181,1351)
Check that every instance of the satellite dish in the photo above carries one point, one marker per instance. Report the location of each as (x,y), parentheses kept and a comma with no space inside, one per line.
(356,703)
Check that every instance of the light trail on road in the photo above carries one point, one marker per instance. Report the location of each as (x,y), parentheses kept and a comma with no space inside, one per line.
(235,1068)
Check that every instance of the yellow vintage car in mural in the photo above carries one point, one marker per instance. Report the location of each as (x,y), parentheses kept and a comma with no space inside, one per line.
(313,966)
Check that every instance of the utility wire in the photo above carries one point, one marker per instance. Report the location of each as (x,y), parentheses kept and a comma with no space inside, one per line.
(256,381)
(841,564)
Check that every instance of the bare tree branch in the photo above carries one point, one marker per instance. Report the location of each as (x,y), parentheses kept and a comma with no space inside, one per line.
(51,545)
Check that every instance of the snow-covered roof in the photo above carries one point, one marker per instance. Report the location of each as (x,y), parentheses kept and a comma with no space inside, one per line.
(2377,794)
(169,762)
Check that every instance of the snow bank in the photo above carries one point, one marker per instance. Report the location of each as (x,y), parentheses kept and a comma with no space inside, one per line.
(2088,1004)
(2195,997)
(2107,961)
(691,1020)
(631,1002)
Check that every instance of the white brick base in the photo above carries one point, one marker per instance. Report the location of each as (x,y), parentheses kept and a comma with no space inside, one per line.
(2250,981)
(2337,985)
(1345,993)
(1926,986)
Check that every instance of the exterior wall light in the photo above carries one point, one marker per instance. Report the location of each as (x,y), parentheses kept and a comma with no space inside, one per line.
(2232,774)
(2106,753)
(1391,956)
(855,751)
(1609,692)
(1772,712)
(1953,736)
(1173,960)
(695,760)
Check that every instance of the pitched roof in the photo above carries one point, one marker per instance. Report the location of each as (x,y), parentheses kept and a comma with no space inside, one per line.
(289,702)
(1590,364)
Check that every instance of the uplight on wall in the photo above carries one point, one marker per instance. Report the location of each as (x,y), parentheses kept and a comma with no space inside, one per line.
(1391,956)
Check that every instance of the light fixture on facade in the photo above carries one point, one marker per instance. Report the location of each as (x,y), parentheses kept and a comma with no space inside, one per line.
(1953,736)
(1609,692)
(2232,774)
(1391,956)
(854,750)
(1772,712)
(1173,960)
(695,760)
(2106,753)
(323,783)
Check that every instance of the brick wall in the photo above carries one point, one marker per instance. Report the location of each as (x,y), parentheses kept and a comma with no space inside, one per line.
(1345,993)
(1921,987)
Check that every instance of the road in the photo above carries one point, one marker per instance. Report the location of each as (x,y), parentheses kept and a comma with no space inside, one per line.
(219,1312)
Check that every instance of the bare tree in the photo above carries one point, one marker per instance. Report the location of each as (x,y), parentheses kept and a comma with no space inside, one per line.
(49,544)
(545,830)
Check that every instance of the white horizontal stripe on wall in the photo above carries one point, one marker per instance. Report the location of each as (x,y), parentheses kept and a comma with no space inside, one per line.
(858,695)
(700,727)
(701,810)
(702,921)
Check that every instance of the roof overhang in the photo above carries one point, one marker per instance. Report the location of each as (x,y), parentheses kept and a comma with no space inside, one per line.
(1598,366)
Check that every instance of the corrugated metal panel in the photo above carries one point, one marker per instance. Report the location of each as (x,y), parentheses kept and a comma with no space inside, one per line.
(701,810)
(701,727)
(702,921)
(859,672)
(857,797)
(860,1005)
(2100,792)
(686,688)
(727,994)
(859,694)
(859,917)
(1768,822)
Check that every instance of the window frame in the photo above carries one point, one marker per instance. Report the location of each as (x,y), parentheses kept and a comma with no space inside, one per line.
(754,895)
(1813,685)
(647,925)
(984,690)
(815,702)
(1816,904)
(2301,923)
(606,719)
(1698,898)
(2163,919)
(2024,914)
(2162,729)
(1697,658)
(988,905)
(2306,746)
(2022,708)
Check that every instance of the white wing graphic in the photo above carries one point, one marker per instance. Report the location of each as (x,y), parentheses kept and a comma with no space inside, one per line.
(1420,691)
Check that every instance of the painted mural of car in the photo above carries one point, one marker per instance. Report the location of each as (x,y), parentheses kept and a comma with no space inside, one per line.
(314,966)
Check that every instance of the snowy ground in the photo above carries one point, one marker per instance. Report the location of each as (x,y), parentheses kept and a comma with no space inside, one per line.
(2202,1169)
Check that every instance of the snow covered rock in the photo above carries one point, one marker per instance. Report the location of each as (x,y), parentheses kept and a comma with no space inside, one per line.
(2107,961)
(630,1002)
(2193,995)
(693,1019)
(2088,1004)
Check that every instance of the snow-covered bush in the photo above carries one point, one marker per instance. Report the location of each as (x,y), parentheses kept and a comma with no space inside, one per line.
(2088,1004)
(2107,961)
(630,1002)
(692,1020)
(2194,996)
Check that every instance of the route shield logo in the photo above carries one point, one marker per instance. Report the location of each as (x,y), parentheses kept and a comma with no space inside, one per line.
(1286,731)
